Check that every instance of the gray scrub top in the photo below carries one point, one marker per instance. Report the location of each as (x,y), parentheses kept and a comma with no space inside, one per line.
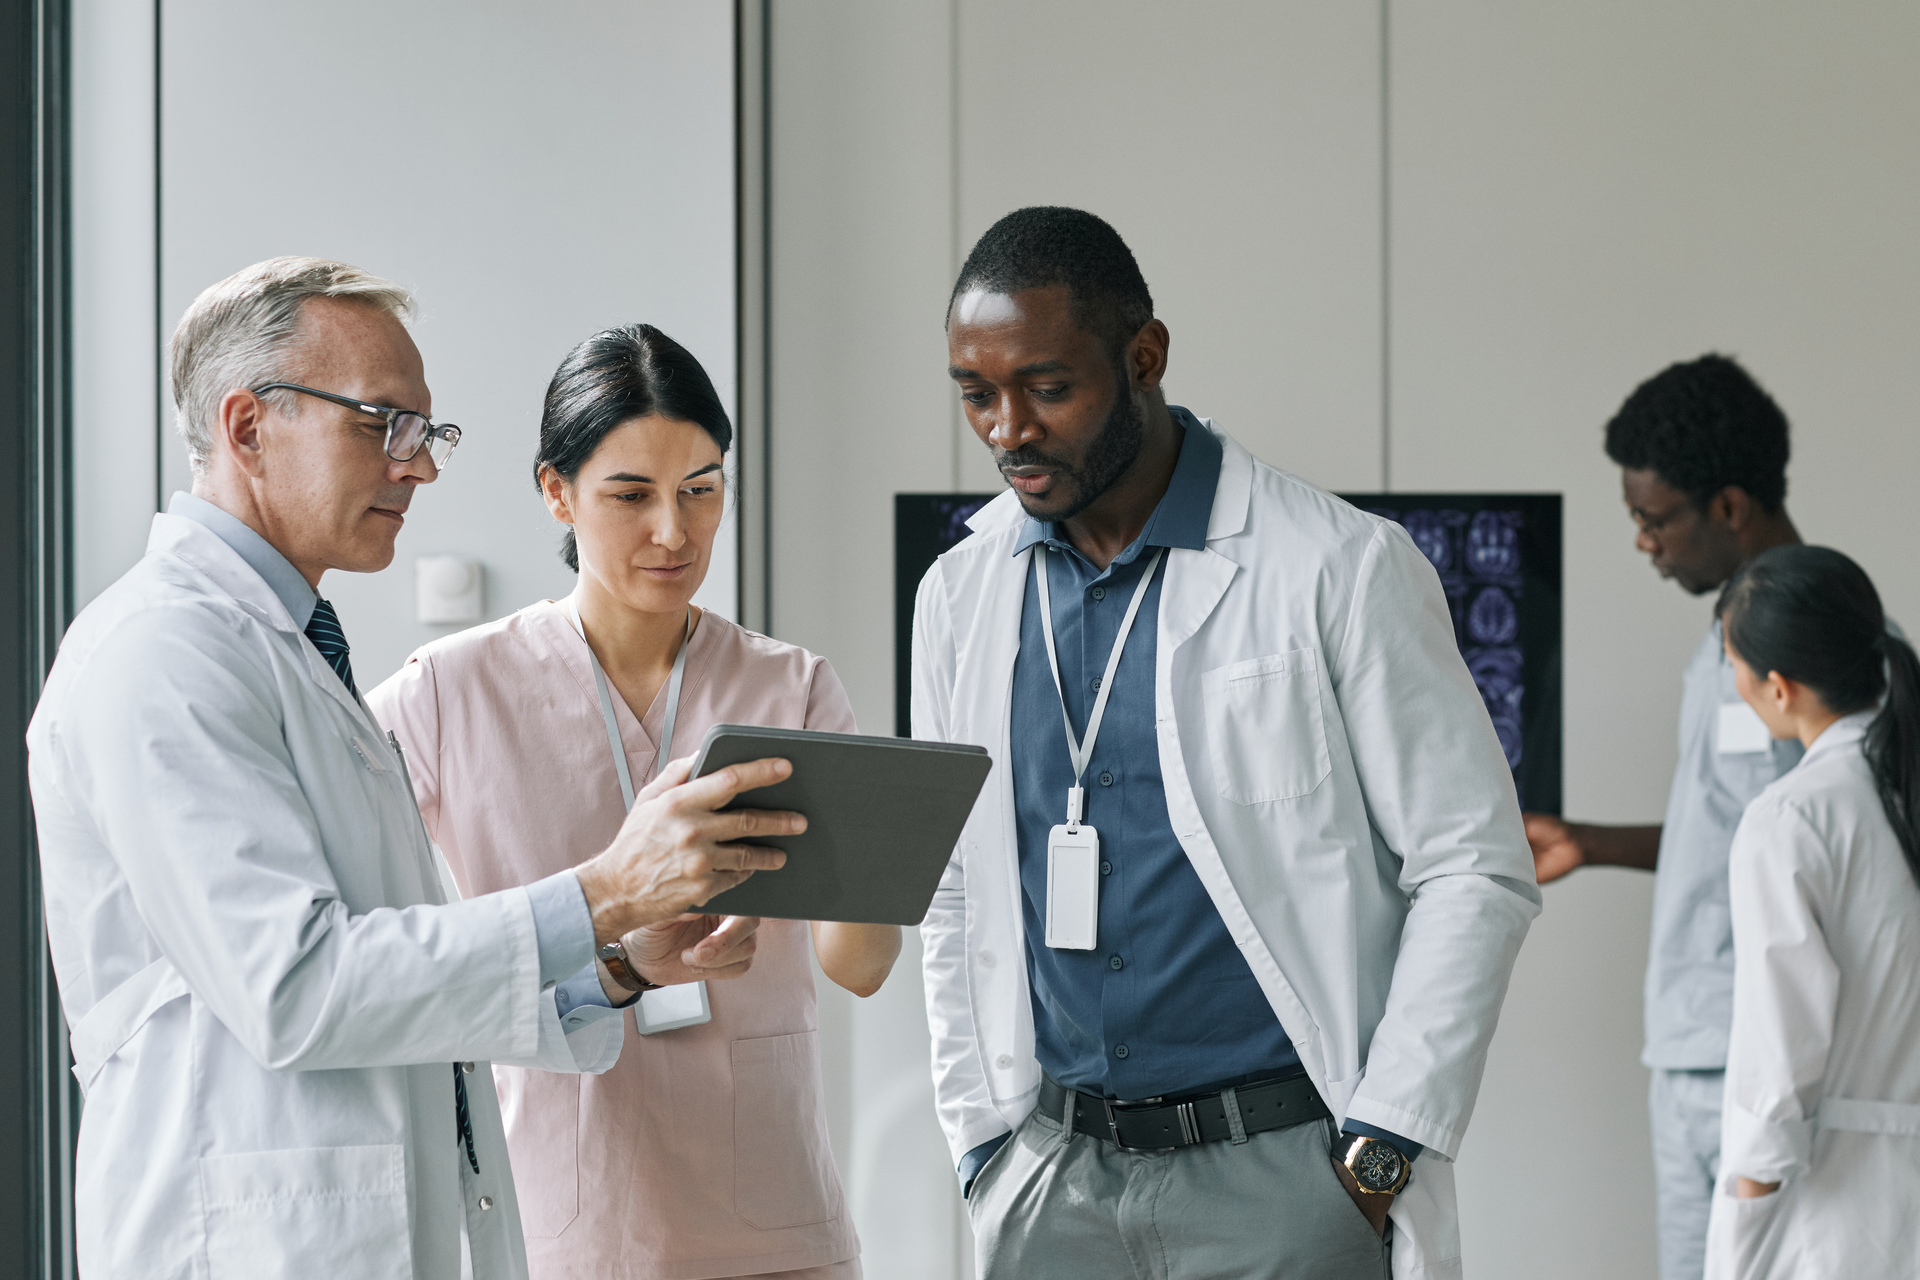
(1689,995)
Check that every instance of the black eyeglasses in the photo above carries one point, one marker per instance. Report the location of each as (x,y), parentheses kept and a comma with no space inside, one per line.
(407,431)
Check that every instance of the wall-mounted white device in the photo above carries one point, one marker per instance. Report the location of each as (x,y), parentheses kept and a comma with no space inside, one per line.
(449,589)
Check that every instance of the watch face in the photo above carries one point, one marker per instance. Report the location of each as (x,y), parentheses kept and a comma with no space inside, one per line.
(1376,1166)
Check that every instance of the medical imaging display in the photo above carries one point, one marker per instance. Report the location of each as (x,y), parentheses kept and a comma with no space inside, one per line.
(1498,557)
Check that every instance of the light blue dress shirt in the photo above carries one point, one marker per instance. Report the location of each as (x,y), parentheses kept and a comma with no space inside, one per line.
(563,927)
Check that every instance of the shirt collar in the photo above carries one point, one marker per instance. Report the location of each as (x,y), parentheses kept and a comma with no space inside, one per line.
(1180,518)
(1842,732)
(273,568)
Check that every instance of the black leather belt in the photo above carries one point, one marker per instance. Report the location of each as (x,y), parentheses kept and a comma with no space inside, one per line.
(1183,1122)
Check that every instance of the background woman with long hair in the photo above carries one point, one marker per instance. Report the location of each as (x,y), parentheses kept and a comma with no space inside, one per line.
(1820,1154)
(703,1151)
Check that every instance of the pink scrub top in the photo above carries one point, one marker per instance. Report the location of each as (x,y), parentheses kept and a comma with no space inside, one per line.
(703,1152)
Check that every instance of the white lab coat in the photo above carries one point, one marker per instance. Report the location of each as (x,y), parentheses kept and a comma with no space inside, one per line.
(265,988)
(1331,773)
(1823,1067)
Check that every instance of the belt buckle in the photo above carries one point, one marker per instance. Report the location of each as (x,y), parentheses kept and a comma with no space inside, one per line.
(1113,1125)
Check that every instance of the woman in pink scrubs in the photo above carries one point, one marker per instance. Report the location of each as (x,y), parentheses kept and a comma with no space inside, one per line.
(703,1151)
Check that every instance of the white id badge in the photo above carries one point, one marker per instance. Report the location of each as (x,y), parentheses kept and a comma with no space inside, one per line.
(670,1008)
(1741,731)
(1073,888)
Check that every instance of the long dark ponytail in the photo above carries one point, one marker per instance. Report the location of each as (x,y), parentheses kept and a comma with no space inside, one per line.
(1812,615)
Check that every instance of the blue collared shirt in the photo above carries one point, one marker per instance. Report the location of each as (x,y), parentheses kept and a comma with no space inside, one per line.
(1165,1004)
(563,927)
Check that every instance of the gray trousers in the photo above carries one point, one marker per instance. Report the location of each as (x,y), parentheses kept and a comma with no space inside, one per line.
(1270,1208)
(1685,1109)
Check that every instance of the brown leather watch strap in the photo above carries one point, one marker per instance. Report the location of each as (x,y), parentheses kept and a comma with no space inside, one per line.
(614,957)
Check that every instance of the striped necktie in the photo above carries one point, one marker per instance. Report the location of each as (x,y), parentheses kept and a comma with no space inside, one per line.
(324,630)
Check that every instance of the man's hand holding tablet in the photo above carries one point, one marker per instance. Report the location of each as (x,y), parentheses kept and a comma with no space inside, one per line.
(676,850)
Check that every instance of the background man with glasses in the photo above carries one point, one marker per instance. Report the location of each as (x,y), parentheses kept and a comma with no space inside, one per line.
(280,1021)
(1703,456)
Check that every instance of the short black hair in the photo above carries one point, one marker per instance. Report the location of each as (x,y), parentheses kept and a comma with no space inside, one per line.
(1701,426)
(615,376)
(1046,245)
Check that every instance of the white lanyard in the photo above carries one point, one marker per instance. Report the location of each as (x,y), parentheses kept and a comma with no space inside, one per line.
(613,726)
(1082,751)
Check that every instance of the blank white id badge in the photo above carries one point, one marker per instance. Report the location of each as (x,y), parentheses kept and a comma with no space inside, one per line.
(1073,888)
(670,1008)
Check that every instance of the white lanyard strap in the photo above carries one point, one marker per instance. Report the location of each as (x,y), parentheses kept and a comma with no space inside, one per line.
(1082,751)
(613,726)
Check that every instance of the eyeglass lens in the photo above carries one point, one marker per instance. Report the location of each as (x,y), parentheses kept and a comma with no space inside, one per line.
(410,430)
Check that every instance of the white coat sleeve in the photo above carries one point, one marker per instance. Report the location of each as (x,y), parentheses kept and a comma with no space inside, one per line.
(965,1107)
(173,741)
(1440,794)
(1786,988)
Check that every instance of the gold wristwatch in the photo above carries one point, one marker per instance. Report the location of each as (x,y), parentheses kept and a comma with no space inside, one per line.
(614,956)
(1376,1164)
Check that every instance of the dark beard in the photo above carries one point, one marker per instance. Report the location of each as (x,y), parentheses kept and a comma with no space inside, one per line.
(1114,450)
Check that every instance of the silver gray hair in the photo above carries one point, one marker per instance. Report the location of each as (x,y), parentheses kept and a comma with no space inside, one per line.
(236,334)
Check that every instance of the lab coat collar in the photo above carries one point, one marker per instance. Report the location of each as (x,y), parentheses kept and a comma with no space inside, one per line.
(1846,730)
(205,550)
(1231,495)
(262,556)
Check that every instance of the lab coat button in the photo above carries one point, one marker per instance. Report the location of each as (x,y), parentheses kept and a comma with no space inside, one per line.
(467,1067)
(486,1202)
(1004,1061)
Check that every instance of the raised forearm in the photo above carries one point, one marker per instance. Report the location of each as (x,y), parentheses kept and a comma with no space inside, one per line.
(856,956)
(1602,846)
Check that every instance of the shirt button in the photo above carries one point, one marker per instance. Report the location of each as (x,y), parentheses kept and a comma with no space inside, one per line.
(1119,1051)
(1094,684)
(1116,963)
(1098,593)
(1106,779)
(467,1067)
(1003,1062)
(486,1202)
(1106,868)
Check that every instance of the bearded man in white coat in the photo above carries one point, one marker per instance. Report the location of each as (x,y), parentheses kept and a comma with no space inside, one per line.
(281,1022)
(1213,971)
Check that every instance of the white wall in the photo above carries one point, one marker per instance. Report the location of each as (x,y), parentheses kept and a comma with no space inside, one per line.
(1578,195)
(534,172)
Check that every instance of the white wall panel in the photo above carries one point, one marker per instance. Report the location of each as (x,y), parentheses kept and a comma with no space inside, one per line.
(534,171)
(1582,194)
(1236,148)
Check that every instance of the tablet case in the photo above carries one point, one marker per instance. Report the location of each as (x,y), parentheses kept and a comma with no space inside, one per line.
(883,816)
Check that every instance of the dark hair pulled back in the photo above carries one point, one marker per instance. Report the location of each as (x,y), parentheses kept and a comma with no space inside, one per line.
(617,375)
(1812,615)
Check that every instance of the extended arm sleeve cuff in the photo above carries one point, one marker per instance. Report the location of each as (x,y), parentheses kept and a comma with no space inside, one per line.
(1407,1147)
(581,1000)
(975,1160)
(562,925)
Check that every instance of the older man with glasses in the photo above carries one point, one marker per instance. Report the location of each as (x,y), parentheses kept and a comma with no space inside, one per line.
(280,1021)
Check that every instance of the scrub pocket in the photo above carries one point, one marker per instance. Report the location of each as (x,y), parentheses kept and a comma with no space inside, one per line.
(542,1112)
(783,1173)
(1265,727)
(317,1211)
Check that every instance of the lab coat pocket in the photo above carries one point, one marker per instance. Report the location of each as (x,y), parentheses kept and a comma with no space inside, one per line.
(315,1211)
(541,1110)
(1743,1236)
(1265,727)
(783,1173)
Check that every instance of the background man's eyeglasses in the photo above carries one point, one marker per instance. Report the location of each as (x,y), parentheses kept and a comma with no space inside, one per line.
(407,431)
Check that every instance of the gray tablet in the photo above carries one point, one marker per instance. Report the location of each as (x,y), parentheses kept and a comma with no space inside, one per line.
(883,815)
